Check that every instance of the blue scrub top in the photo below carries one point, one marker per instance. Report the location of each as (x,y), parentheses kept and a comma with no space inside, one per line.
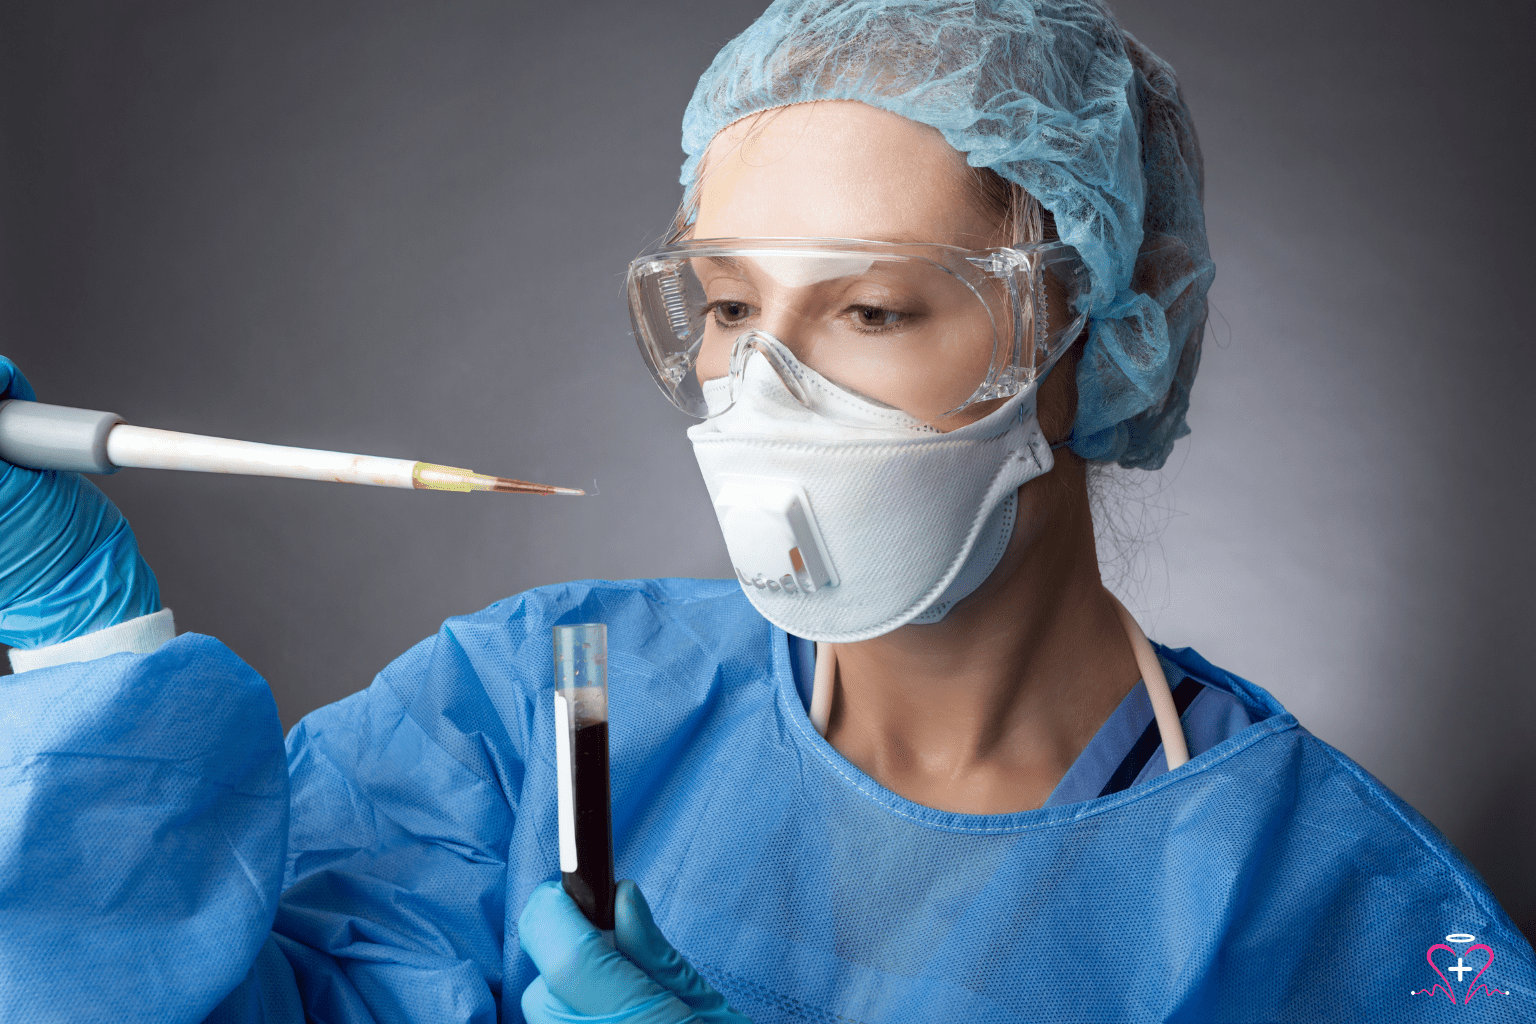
(163,858)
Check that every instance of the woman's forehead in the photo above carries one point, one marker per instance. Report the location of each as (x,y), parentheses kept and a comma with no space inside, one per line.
(837,169)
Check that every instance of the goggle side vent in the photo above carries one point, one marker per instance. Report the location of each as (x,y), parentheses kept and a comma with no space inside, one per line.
(672,299)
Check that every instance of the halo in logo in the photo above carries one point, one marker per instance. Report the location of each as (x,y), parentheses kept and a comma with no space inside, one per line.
(1460,937)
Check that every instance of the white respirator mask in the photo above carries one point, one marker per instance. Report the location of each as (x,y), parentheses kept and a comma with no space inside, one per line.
(846,519)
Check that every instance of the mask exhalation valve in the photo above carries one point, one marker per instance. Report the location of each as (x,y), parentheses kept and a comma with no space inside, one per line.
(772,535)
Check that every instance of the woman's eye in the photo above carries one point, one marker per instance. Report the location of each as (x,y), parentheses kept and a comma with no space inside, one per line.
(728,313)
(874,316)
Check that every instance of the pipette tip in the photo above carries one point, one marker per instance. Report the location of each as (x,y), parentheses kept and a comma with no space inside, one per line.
(428,476)
(524,487)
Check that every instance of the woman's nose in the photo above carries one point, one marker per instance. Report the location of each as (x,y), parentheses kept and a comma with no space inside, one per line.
(794,330)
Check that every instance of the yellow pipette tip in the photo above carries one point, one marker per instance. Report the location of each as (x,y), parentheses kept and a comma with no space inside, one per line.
(431,477)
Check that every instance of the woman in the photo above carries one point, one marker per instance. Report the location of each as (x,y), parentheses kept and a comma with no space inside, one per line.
(907,767)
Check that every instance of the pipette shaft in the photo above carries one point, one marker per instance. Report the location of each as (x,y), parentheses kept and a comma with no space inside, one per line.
(38,436)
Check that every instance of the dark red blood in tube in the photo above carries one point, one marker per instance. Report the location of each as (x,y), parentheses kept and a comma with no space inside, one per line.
(591,885)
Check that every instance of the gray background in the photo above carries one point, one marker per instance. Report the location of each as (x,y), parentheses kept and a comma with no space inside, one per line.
(401,228)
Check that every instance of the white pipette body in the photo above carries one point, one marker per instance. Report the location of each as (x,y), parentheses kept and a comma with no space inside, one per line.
(38,436)
(130,447)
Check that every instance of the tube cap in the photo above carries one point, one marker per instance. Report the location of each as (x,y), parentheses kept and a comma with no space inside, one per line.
(581,656)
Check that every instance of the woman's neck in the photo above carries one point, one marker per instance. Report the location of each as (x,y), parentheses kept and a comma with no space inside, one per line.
(984,711)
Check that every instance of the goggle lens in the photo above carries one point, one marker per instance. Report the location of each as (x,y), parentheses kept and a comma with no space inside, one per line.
(928,330)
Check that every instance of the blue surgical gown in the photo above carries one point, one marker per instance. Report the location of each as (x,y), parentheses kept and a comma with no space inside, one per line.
(164,858)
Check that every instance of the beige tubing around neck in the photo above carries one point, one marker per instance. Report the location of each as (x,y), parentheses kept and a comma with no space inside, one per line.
(1175,749)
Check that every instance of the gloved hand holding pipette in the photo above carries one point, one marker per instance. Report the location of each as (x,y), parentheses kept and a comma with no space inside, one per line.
(69,563)
(583,977)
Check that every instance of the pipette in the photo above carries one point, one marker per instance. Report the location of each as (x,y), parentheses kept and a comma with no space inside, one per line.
(584,812)
(38,436)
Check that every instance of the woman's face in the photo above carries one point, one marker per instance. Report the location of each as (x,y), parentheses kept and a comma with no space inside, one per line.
(842,169)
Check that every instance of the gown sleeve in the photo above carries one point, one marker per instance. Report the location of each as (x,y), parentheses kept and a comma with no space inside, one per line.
(143,809)
(146,805)
(395,888)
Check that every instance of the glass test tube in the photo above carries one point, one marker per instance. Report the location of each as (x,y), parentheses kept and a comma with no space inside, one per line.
(581,756)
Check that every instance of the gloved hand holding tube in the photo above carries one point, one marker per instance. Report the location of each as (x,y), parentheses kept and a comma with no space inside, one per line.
(637,978)
(599,953)
(69,563)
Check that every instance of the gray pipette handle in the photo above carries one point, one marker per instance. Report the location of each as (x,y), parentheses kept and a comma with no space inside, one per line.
(38,436)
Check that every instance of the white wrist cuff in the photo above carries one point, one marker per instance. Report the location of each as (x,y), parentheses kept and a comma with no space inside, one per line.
(142,635)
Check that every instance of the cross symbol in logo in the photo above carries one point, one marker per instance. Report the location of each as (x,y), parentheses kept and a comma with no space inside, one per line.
(1460,969)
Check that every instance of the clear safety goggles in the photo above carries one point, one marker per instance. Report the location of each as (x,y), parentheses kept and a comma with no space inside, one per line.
(924,328)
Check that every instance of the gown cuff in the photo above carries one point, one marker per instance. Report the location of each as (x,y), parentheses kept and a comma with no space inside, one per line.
(142,635)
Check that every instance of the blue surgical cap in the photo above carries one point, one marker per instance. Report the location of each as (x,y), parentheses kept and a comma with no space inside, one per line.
(1056,98)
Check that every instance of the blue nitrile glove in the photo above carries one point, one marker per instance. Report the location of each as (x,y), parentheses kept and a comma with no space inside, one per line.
(68,562)
(584,980)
